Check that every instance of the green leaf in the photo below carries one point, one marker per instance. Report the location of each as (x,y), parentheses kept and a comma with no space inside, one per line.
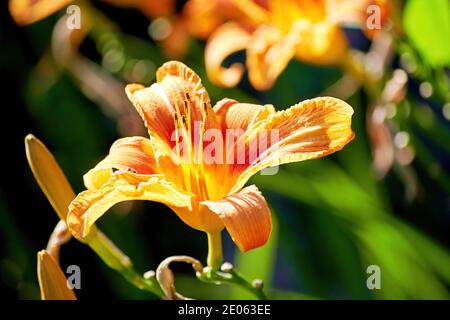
(427,25)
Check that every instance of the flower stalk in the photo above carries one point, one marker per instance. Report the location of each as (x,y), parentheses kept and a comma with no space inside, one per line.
(117,260)
(214,250)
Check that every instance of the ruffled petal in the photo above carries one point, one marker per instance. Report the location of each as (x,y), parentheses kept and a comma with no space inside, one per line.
(311,129)
(177,96)
(133,154)
(52,281)
(226,40)
(234,115)
(246,216)
(90,205)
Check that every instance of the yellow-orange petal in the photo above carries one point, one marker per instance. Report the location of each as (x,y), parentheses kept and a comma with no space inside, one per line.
(234,115)
(226,40)
(28,11)
(268,54)
(246,216)
(202,17)
(49,175)
(311,129)
(321,43)
(134,154)
(90,205)
(52,281)
(178,90)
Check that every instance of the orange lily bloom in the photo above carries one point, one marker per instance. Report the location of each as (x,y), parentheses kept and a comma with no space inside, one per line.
(273,34)
(29,11)
(208,196)
(174,43)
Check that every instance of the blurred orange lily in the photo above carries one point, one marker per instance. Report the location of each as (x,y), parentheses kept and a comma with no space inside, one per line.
(273,34)
(207,196)
(29,11)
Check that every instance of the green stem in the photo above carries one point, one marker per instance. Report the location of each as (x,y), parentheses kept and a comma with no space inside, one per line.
(214,250)
(117,260)
(232,277)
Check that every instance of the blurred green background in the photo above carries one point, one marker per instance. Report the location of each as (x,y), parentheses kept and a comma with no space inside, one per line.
(333,217)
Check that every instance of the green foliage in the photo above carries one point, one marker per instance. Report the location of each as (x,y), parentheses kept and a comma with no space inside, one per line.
(427,24)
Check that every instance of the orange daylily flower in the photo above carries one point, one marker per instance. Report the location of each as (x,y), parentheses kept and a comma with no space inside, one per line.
(174,43)
(208,196)
(273,34)
(29,11)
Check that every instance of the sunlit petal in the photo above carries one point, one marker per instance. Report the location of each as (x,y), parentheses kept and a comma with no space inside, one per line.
(90,205)
(179,93)
(133,154)
(311,129)
(234,115)
(246,216)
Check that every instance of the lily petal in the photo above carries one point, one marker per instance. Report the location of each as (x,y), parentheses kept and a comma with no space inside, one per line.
(311,129)
(90,205)
(134,154)
(226,40)
(246,216)
(234,115)
(321,43)
(178,93)
(268,54)
(52,281)
(29,11)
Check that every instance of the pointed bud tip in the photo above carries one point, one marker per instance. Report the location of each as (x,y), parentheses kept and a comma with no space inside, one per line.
(29,137)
